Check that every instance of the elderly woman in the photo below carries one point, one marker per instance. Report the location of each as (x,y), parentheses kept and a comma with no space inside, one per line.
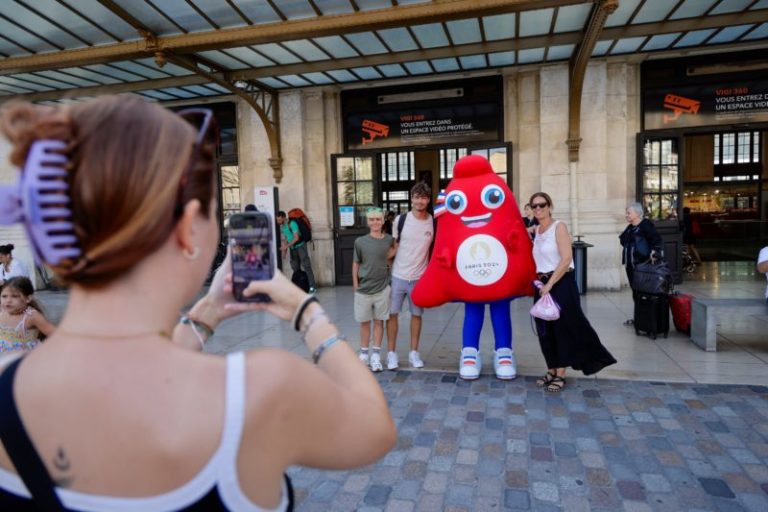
(570,340)
(640,241)
(121,410)
(10,267)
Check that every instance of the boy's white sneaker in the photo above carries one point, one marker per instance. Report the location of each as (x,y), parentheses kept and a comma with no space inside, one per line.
(504,364)
(469,367)
(415,359)
(363,357)
(392,363)
(376,362)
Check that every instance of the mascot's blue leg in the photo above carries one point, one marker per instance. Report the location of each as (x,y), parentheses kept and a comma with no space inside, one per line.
(473,324)
(470,364)
(501,318)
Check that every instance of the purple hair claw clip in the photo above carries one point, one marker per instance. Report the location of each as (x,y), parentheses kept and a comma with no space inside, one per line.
(40,201)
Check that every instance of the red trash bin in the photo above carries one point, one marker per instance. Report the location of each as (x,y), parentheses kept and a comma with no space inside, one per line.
(680,304)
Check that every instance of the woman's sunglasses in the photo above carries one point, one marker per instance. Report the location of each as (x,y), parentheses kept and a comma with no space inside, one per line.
(202,119)
(541,206)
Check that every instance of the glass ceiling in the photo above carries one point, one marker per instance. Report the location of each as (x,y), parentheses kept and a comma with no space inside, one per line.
(308,49)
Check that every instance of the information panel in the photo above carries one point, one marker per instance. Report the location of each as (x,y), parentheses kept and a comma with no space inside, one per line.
(705,105)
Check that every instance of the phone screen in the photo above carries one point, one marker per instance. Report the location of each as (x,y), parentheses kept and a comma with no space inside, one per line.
(250,240)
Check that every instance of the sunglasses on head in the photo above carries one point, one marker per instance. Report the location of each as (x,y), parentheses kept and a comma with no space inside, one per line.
(539,205)
(202,119)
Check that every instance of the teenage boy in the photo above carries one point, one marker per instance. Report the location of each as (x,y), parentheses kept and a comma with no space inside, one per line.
(297,249)
(370,281)
(412,246)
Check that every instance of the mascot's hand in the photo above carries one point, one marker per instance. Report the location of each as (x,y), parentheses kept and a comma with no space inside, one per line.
(443,258)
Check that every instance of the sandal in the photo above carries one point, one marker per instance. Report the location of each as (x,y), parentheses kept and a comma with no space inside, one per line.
(556,384)
(545,380)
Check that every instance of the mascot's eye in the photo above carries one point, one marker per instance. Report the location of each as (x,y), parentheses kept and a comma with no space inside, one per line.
(456,202)
(492,196)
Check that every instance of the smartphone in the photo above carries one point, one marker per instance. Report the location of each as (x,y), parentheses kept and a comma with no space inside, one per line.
(251,241)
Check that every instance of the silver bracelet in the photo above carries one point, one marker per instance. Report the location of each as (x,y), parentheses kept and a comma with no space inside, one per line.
(325,346)
(317,315)
(196,328)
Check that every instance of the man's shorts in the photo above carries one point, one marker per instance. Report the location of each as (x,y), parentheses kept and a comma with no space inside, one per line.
(372,307)
(401,288)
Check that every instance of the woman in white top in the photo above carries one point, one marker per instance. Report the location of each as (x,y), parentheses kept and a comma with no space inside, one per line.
(10,267)
(569,340)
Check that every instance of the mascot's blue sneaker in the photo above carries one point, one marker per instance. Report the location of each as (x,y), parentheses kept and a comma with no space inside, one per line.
(504,364)
(469,368)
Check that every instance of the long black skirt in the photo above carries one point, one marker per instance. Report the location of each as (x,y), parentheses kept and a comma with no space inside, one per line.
(570,341)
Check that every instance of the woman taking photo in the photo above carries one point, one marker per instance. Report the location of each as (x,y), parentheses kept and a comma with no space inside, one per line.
(10,267)
(569,341)
(121,410)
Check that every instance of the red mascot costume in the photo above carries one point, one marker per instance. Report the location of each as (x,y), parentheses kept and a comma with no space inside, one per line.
(482,255)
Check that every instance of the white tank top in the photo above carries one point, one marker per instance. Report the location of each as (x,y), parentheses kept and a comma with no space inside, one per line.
(545,252)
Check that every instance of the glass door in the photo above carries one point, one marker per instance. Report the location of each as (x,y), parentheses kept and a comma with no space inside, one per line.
(354,191)
(659,184)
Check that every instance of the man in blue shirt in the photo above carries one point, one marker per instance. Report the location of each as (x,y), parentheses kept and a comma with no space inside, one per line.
(297,249)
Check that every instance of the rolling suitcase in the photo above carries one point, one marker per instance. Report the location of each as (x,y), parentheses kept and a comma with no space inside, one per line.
(651,314)
(680,304)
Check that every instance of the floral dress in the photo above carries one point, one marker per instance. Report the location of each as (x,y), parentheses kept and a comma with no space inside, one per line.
(19,337)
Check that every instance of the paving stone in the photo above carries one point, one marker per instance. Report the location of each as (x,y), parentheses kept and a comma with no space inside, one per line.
(716,487)
(631,490)
(545,491)
(460,494)
(516,499)
(654,483)
(516,479)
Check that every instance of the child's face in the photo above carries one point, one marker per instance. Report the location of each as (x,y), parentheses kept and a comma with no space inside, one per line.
(13,301)
(375,222)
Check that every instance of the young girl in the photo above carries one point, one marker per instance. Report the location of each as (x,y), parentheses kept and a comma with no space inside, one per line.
(21,318)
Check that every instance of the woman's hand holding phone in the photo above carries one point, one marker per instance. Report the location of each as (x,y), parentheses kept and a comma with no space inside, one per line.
(286,297)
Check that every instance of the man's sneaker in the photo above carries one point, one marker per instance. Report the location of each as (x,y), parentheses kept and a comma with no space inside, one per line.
(376,362)
(469,367)
(363,357)
(415,359)
(504,364)
(392,363)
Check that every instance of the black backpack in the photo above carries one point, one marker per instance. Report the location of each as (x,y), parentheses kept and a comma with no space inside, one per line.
(305,233)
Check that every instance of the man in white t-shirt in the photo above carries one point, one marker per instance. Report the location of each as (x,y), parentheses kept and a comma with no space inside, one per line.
(762,266)
(412,245)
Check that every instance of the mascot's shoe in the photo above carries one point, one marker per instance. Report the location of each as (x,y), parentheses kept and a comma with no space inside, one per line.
(469,368)
(504,364)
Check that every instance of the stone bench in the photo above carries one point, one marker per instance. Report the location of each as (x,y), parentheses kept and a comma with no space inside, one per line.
(705,312)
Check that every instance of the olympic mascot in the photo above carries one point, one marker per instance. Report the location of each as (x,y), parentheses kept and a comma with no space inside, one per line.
(482,255)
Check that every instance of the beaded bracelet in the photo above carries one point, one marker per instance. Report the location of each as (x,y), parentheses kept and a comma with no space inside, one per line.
(317,315)
(325,346)
(300,310)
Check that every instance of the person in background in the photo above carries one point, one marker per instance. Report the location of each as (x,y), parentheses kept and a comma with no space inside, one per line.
(388,220)
(9,266)
(569,341)
(250,208)
(144,420)
(22,320)
(762,265)
(298,250)
(690,235)
(640,241)
(530,221)
(370,282)
(413,247)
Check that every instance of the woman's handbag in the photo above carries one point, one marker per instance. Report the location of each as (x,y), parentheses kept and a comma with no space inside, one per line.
(649,277)
(545,308)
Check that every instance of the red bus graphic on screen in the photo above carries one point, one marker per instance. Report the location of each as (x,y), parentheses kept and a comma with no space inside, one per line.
(679,105)
(373,129)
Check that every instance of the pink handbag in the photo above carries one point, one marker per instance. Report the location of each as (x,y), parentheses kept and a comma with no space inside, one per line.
(545,308)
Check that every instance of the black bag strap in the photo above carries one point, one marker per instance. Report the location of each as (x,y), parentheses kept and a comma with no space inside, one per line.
(400,224)
(20,449)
